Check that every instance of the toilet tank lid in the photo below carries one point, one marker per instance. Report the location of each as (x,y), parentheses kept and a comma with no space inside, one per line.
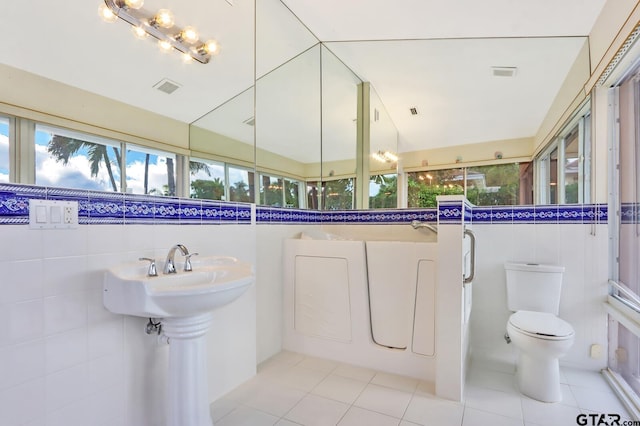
(532,267)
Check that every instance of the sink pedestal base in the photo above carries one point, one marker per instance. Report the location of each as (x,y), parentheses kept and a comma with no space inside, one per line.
(187,390)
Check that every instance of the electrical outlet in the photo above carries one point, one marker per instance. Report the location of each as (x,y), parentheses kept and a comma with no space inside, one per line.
(596,351)
(70,215)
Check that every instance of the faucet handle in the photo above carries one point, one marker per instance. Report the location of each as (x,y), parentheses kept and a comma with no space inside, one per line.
(187,262)
(152,272)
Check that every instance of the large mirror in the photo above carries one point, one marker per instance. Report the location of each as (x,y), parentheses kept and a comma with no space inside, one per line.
(299,135)
(301,117)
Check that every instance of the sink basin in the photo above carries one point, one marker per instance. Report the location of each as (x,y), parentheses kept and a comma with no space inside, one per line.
(214,281)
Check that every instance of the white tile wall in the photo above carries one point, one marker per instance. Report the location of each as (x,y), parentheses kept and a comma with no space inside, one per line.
(584,287)
(66,360)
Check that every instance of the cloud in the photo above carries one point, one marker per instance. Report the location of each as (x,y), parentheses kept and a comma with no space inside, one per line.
(4,156)
(157,176)
(75,174)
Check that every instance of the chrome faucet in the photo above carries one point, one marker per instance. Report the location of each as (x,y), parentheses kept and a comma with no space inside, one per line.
(169,264)
(416,224)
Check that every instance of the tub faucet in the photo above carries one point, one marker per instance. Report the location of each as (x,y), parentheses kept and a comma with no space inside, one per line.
(416,224)
(169,264)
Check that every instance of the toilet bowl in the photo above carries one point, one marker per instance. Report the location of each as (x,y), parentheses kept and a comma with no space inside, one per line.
(541,339)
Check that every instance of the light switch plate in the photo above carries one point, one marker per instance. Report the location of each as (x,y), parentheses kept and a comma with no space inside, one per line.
(53,214)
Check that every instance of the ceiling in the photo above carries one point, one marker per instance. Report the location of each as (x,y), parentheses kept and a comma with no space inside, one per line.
(432,55)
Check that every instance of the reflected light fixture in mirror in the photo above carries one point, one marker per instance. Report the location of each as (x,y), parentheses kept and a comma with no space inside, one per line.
(161,26)
(385,157)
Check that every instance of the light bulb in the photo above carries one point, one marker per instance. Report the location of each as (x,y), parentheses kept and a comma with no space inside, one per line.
(164,45)
(186,58)
(189,35)
(139,32)
(210,47)
(164,18)
(134,4)
(106,14)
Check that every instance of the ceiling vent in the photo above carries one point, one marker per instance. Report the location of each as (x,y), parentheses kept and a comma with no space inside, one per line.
(251,121)
(413,111)
(167,86)
(504,71)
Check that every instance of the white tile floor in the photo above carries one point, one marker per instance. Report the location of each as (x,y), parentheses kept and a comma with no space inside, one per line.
(294,389)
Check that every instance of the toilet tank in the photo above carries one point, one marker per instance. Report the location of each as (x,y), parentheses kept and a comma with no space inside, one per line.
(533,287)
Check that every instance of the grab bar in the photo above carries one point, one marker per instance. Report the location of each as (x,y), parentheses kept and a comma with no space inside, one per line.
(469,279)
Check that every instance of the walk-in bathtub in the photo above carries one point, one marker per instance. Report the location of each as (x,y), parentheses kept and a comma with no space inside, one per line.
(368,301)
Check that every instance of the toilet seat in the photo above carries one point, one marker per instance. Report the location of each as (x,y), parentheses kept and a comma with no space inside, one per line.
(541,325)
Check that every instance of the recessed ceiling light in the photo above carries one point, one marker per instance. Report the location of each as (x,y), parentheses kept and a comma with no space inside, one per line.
(504,71)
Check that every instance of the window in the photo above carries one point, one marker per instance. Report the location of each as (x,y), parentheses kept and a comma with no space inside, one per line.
(271,190)
(241,186)
(335,194)
(625,248)
(150,171)
(564,167)
(4,149)
(65,158)
(207,180)
(383,191)
(424,187)
(494,185)
(279,191)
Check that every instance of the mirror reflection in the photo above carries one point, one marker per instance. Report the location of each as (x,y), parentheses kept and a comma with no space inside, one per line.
(322,135)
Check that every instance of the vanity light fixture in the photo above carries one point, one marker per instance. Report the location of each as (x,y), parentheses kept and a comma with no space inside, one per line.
(161,26)
(385,156)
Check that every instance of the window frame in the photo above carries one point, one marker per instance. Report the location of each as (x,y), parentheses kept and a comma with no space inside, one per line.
(543,168)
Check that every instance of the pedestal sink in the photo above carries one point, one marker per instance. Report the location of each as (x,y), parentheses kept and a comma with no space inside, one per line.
(184,302)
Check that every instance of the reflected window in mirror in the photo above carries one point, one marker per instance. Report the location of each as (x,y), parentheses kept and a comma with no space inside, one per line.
(241,184)
(4,149)
(207,180)
(500,184)
(70,159)
(279,191)
(150,171)
(563,168)
(492,185)
(425,186)
(338,194)
(383,191)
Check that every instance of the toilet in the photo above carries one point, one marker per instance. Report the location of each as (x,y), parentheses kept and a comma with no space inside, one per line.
(533,294)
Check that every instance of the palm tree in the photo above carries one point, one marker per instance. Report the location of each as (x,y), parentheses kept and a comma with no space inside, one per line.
(62,148)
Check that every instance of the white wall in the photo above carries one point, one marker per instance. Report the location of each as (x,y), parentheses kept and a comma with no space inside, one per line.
(584,288)
(65,360)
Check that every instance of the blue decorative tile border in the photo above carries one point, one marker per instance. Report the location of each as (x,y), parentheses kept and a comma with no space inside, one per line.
(117,208)
(96,207)
(575,213)
(447,213)
(630,213)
